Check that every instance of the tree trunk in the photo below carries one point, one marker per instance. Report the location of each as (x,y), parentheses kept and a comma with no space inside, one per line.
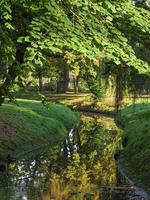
(119,87)
(40,84)
(62,85)
(66,80)
(59,87)
(76,84)
(1,97)
(13,72)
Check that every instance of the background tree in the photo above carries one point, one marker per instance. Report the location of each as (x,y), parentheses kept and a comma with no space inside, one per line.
(94,31)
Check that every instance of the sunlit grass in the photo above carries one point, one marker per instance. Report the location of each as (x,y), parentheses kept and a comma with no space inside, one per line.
(83,101)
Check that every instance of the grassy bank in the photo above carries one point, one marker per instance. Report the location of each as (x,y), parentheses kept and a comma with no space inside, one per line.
(29,124)
(136,155)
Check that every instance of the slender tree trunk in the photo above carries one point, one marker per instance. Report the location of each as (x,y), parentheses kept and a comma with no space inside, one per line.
(1,97)
(66,80)
(13,72)
(40,84)
(58,87)
(76,84)
(119,87)
(134,96)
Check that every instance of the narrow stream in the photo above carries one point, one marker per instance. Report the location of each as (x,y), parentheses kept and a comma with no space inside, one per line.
(83,168)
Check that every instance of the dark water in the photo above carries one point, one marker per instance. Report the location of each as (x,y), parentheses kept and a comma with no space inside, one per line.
(83,168)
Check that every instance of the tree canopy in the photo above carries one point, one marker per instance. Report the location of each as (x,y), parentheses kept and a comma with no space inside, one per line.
(85,33)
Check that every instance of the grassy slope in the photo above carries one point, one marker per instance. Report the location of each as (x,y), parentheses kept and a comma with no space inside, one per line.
(29,124)
(136,156)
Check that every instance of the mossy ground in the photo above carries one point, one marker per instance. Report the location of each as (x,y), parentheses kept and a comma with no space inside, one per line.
(29,123)
(136,155)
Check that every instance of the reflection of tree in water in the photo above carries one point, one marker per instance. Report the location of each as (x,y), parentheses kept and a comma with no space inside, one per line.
(76,171)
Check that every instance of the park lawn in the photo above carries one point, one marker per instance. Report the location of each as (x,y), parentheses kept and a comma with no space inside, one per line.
(79,101)
(136,155)
(29,124)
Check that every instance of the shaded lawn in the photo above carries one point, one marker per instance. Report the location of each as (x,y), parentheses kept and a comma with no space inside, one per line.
(136,156)
(30,124)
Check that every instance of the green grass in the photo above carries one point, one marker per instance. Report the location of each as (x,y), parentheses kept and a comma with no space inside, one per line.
(136,156)
(80,101)
(29,124)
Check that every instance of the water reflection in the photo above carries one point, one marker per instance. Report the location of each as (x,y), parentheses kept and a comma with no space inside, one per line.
(80,169)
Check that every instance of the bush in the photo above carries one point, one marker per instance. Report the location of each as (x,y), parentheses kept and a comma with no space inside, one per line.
(51,86)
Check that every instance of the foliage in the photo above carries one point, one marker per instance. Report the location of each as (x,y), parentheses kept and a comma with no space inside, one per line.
(31,32)
(95,40)
(51,86)
(97,87)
